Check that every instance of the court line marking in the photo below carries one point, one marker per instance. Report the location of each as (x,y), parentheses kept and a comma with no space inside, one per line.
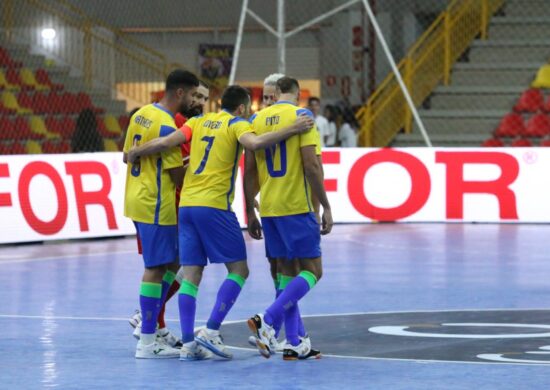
(420,361)
(41,317)
(65,257)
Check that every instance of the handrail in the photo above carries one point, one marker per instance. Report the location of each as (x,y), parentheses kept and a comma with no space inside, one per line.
(427,63)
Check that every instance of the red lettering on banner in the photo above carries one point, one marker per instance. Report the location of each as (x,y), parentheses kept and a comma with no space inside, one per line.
(331,185)
(83,198)
(457,187)
(5,198)
(28,173)
(420,180)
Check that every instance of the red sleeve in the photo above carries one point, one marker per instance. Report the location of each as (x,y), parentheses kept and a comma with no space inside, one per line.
(187,131)
(180,120)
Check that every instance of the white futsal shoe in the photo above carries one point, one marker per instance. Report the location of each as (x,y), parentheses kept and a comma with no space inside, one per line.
(297,352)
(213,341)
(194,351)
(156,350)
(263,333)
(279,347)
(169,338)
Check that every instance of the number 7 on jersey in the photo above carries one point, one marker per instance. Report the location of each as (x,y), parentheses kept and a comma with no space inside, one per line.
(210,141)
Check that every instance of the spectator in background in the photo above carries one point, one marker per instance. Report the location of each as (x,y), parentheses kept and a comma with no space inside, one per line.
(314,105)
(347,136)
(86,137)
(331,114)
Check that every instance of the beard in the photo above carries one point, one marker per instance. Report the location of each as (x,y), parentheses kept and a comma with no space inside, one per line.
(191,111)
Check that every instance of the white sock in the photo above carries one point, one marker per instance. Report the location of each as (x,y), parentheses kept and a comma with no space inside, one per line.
(212,332)
(147,339)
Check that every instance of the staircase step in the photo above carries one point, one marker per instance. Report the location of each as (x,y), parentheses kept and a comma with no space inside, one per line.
(504,53)
(488,77)
(483,101)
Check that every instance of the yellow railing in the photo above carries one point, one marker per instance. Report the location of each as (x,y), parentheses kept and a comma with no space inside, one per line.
(427,63)
(105,56)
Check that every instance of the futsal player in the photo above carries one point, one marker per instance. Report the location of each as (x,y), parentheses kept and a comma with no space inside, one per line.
(288,174)
(270,96)
(208,229)
(200,98)
(149,202)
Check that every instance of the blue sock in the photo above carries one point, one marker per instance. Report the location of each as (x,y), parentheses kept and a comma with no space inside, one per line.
(291,325)
(293,292)
(187,302)
(149,302)
(167,281)
(278,325)
(227,295)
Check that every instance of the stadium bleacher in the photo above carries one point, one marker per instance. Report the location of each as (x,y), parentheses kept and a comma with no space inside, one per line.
(38,114)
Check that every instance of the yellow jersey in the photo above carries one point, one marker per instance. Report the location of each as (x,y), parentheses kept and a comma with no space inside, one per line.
(150,192)
(215,154)
(284,189)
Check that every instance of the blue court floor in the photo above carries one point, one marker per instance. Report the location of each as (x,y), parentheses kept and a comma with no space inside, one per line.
(400,306)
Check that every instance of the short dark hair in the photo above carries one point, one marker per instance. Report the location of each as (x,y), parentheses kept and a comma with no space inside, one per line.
(234,96)
(204,84)
(288,85)
(313,99)
(180,78)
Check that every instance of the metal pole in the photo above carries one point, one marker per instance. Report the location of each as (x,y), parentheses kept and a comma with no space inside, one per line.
(262,22)
(397,74)
(238,43)
(281,45)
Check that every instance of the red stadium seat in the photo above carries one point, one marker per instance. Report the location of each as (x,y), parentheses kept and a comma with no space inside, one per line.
(538,126)
(530,101)
(25,100)
(6,60)
(123,122)
(13,77)
(43,78)
(67,127)
(545,142)
(84,102)
(492,143)
(102,129)
(7,131)
(510,126)
(56,146)
(41,104)
(69,104)
(521,142)
(6,111)
(23,130)
(53,124)
(16,148)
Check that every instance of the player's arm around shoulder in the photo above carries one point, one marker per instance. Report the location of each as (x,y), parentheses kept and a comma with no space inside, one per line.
(314,174)
(160,144)
(176,175)
(254,142)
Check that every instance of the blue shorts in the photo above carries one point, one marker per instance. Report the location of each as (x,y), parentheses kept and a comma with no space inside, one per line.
(209,233)
(159,243)
(292,236)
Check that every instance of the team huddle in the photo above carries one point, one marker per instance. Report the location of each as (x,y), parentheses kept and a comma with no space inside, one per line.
(282,164)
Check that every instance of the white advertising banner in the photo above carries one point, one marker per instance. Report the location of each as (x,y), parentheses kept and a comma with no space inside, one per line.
(46,197)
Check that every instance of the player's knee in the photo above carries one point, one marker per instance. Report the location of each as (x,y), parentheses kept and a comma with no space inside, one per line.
(318,274)
(240,268)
